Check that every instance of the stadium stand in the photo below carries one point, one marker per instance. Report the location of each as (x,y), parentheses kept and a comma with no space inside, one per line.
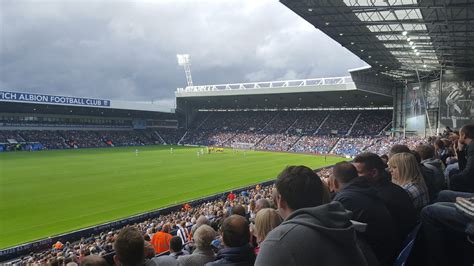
(213,212)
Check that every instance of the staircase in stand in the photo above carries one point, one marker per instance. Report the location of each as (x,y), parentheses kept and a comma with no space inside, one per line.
(159,136)
(353,124)
(321,125)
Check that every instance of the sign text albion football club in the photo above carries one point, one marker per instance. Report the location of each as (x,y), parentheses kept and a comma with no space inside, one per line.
(42,98)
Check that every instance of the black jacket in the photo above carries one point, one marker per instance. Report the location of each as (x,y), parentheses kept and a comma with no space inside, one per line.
(464,181)
(399,204)
(360,197)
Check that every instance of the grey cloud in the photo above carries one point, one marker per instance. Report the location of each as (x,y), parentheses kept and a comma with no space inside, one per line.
(127,50)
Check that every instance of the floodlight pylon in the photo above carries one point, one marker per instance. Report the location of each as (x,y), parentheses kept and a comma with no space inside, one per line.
(183,60)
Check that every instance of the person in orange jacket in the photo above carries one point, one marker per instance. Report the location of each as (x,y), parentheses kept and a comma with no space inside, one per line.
(161,239)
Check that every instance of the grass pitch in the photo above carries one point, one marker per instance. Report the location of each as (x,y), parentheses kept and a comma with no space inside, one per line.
(52,192)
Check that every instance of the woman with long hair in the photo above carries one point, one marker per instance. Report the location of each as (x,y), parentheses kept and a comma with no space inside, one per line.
(265,221)
(407,174)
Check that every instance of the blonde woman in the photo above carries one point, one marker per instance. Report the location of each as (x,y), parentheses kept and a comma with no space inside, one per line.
(265,220)
(407,174)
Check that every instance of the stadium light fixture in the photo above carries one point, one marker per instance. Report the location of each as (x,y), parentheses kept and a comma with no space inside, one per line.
(310,9)
(184,61)
(418,54)
(352,43)
(411,43)
(409,39)
(424,65)
(404,33)
(413,47)
(340,34)
(361,50)
(327,23)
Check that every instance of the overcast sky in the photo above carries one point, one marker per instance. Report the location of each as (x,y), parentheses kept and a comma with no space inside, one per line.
(127,49)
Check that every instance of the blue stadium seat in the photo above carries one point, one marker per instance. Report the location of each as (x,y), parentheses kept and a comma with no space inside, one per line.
(407,247)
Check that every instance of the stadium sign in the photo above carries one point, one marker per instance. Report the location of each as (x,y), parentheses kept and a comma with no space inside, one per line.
(9,96)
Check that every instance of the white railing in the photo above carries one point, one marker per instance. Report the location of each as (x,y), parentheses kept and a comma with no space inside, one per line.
(269,84)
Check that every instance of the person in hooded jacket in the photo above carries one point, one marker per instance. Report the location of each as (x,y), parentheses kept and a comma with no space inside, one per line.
(314,232)
(427,156)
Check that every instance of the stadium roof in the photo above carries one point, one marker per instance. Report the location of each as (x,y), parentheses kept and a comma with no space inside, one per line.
(398,37)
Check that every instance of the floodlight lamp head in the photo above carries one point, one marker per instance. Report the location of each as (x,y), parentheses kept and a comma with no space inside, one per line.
(183,59)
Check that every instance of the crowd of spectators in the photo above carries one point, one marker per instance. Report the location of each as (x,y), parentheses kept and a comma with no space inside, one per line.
(71,139)
(350,146)
(371,123)
(338,123)
(315,144)
(355,213)
(281,122)
(170,135)
(277,142)
(308,122)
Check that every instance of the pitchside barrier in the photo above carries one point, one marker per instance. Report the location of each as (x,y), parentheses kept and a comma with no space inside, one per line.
(44,244)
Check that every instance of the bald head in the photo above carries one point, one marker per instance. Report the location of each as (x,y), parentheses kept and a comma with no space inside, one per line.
(235,231)
(261,204)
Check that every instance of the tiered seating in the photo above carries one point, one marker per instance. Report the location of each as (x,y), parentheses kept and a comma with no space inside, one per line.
(350,146)
(371,122)
(277,142)
(314,144)
(308,122)
(338,121)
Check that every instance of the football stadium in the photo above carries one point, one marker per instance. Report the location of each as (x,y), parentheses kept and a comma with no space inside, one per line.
(372,168)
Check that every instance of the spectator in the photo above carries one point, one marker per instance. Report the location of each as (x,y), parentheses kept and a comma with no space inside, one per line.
(395,198)
(236,237)
(398,148)
(428,176)
(231,196)
(200,221)
(161,239)
(266,220)
(129,247)
(313,231)
(261,204)
(203,253)
(182,232)
(358,196)
(464,181)
(444,229)
(149,251)
(427,155)
(407,174)
(176,250)
(239,210)
(94,260)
